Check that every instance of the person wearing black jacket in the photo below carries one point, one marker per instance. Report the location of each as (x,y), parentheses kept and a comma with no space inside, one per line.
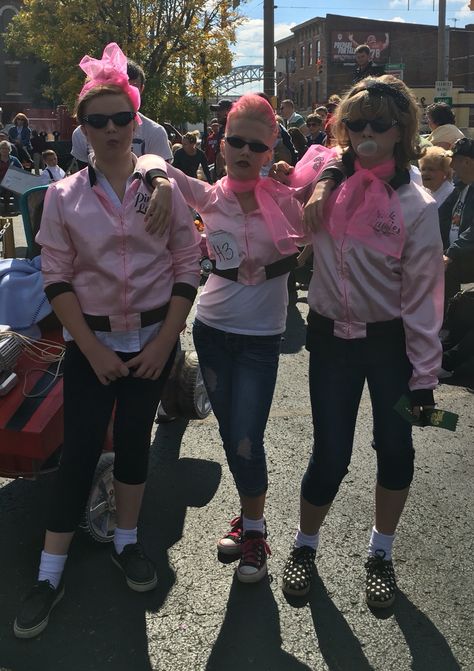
(189,158)
(457,221)
(365,66)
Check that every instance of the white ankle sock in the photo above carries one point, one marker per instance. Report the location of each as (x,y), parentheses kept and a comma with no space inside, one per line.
(253,525)
(380,541)
(51,568)
(305,539)
(123,537)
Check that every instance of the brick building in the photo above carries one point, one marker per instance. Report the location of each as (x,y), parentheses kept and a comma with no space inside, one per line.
(318,59)
(21,79)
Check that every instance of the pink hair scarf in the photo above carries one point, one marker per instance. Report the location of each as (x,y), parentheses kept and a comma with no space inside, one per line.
(110,69)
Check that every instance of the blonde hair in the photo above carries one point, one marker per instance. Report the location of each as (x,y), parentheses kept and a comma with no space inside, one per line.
(388,98)
(438,158)
(191,137)
(5,143)
(96,92)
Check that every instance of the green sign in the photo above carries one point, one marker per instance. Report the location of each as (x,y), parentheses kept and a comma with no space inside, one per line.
(444,99)
(394,66)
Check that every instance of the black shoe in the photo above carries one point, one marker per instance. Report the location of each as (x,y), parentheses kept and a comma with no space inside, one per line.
(298,571)
(380,584)
(139,571)
(36,608)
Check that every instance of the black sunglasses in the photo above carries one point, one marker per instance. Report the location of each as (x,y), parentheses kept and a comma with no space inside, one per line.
(377,125)
(101,120)
(238,143)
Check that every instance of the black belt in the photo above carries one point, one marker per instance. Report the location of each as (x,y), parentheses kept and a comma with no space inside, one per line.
(320,324)
(102,322)
(274,269)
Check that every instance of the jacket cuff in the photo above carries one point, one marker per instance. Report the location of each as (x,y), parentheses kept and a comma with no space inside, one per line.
(58,288)
(184,290)
(331,173)
(156,172)
(421,397)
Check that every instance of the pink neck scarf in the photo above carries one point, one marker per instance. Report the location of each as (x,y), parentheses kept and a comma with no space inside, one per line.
(111,69)
(315,160)
(366,208)
(283,233)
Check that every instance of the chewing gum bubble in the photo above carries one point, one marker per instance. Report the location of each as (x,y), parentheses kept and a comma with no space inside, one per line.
(367,148)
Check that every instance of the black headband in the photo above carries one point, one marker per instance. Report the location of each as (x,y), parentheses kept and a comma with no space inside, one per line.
(381,89)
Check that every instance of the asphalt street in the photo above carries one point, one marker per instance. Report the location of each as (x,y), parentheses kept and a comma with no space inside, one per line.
(200,618)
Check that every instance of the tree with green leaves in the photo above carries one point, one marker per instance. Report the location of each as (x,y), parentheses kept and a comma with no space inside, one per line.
(166,37)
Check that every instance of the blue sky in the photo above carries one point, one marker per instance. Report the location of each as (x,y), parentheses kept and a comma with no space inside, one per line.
(248,50)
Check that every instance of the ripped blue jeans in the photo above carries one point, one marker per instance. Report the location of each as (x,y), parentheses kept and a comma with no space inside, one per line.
(240,373)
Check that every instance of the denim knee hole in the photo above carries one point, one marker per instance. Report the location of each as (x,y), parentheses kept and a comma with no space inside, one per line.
(244,448)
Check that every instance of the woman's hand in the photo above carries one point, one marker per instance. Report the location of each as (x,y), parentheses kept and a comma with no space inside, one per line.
(107,365)
(418,410)
(314,208)
(281,171)
(152,359)
(159,207)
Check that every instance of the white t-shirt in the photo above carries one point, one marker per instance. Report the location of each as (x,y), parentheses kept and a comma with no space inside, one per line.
(148,138)
(223,302)
(51,174)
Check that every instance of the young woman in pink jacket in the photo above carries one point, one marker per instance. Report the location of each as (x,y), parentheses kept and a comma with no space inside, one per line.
(122,296)
(252,227)
(376,304)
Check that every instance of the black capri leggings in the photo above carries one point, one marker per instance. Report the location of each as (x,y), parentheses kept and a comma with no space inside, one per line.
(88,406)
(338,370)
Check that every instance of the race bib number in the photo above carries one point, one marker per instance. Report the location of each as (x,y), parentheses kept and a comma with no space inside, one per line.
(225,249)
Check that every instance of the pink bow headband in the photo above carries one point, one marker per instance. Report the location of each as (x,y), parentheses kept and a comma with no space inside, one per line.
(111,69)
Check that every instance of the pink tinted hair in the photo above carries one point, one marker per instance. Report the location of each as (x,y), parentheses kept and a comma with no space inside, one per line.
(252,106)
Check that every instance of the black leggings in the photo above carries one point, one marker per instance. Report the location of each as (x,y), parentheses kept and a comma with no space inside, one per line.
(88,406)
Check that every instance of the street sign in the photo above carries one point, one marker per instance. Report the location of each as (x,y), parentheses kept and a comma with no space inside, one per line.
(443,88)
(444,99)
(395,69)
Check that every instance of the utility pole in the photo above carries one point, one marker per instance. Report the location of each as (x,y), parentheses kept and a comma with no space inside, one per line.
(442,64)
(202,59)
(268,47)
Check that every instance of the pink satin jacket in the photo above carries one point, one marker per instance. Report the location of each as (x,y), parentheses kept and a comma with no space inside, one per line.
(354,284)
(115,267)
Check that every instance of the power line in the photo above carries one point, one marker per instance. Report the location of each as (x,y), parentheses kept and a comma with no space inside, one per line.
(382,9)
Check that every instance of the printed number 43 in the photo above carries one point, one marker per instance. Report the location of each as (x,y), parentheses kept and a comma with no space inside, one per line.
(224,252)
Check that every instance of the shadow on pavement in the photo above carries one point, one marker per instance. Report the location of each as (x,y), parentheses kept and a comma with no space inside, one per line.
(428,647)
(250,634)
(338,645)
(100,623)
(294,337)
